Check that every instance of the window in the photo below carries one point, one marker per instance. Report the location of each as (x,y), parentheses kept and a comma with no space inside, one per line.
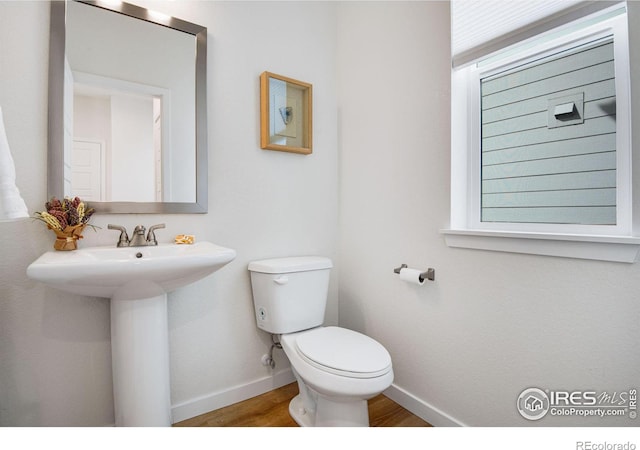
(541,143)
(546,168)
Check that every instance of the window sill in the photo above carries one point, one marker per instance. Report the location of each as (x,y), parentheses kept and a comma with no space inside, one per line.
(602,248)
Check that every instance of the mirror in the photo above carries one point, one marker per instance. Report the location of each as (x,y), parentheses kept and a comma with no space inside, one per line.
(127,108)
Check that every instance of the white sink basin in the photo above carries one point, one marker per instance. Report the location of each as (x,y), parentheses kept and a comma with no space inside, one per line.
(137,280)
(140,271)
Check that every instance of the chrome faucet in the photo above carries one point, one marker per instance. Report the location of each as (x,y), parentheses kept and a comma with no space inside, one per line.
(138,239)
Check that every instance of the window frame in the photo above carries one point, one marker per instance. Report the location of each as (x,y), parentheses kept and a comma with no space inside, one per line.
(467,230)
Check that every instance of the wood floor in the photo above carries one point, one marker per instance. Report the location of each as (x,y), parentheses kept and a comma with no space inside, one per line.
(272,410)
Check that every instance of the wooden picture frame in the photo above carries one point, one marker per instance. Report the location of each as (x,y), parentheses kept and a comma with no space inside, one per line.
(285,114)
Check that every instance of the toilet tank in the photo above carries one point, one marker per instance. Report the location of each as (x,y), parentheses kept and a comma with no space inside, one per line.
(290,294)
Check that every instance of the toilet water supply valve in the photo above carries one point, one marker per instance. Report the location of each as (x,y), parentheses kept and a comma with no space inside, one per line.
(267,360)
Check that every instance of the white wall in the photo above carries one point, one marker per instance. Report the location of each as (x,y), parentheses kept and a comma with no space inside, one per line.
(132,149)
(492,324)
(54,348)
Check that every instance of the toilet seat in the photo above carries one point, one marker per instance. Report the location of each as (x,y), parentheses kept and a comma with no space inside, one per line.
(343,352)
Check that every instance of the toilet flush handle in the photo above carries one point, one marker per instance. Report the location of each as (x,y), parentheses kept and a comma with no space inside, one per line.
(283,279)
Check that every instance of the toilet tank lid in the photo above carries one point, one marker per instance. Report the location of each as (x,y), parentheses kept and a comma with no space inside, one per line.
(290,264)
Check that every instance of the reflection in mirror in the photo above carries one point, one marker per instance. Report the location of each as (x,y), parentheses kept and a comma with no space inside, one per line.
(128,130)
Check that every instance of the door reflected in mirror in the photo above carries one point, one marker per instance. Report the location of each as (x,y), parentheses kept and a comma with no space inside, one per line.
(112,124)
(132,106)
(128,131)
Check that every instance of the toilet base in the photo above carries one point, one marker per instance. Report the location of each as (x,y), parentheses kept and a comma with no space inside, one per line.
(329,413)
(298,413)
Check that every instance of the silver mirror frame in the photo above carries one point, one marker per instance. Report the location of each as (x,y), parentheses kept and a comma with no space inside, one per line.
(55,182)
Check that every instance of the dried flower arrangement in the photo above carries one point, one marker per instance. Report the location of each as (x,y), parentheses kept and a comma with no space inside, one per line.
(67,218)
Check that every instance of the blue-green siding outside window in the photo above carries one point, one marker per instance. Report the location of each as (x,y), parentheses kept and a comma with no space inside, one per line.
(548,135)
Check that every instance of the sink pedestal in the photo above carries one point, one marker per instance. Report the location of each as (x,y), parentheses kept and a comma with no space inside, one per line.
(140,360)
(137,280)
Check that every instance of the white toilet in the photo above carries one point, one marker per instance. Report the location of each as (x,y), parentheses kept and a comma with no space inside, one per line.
(337,369)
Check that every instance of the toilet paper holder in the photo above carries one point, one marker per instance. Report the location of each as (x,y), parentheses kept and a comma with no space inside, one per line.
(429,274)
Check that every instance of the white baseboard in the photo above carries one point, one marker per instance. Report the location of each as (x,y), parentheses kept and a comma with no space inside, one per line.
(216,400)
(420,408)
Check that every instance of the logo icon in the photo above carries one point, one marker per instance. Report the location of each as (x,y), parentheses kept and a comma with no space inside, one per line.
(533,404)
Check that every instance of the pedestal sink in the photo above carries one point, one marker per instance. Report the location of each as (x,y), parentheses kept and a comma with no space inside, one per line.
(137,280)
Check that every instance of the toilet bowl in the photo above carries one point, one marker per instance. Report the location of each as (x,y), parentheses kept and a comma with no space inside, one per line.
(337,369)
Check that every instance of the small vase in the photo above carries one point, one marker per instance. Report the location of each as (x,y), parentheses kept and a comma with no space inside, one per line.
(67,239)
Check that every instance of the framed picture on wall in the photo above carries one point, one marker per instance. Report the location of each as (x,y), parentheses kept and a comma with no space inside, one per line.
(285,114)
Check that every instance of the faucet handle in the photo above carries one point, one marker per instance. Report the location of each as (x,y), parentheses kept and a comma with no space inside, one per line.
(123,240)
(151,236)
